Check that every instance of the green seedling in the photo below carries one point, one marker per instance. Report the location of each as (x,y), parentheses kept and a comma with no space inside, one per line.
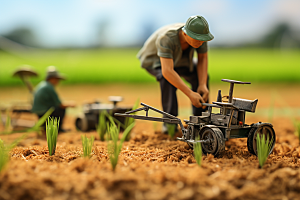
(4,149)
(42,120)
(198,152)
(171,130)
(129,120)
(87,145)
(7,123)
(101,127)
(297,133)
(113,147)
(264,146)
(3,155)
(105,117)
(298,130)
(51,134)
(36,127)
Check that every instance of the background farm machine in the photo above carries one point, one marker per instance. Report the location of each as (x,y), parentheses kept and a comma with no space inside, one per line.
(19,113)
(213,129)
(88,119)
(20,116)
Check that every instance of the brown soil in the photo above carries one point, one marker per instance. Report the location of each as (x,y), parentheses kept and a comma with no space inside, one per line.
(151,166)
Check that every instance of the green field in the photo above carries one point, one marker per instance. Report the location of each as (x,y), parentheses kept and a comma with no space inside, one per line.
(121,65)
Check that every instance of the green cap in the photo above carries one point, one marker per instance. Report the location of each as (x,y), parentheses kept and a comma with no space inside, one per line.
(53,73)
(197,28)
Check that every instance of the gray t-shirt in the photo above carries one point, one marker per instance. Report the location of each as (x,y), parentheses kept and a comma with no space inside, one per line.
(165,43)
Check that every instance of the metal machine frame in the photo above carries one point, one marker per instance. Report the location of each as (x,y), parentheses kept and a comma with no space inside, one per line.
(213,129)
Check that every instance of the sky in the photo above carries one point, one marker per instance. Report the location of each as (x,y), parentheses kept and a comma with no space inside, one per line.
(82,23)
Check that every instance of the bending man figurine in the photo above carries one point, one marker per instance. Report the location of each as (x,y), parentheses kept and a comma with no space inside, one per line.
(168,55)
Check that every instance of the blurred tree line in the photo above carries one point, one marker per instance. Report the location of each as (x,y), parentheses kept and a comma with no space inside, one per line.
(281,36)
(23,35)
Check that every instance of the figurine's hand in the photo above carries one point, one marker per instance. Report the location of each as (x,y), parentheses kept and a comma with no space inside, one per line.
(70,104)
(203,91)
(196,99)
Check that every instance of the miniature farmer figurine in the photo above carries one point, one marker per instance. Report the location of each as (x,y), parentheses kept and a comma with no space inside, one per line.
(168,55)
(46,97)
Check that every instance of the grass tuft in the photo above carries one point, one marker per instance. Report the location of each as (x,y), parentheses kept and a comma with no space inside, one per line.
(36,127)
(7,123)
(129,120)
(113,147)
(51,133)
(4,158)
(297,133)
(8,127)
(87,145)
(264,146)
(106,118)
(101,127)
(198,152)
(171,130)
(3,155)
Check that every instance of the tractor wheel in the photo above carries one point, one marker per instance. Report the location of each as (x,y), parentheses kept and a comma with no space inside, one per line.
(266,130)
(250,140)
(215,142)
(81,123)
(193,132)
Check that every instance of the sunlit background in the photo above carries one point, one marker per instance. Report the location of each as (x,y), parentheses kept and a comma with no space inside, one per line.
(256,40)
(94,23)
(95,42)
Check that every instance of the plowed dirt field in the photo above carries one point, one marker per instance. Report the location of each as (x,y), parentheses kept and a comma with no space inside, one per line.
(151,165)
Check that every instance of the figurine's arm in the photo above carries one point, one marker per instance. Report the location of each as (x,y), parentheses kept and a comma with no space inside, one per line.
(67,105)
(202,75)
(167,67)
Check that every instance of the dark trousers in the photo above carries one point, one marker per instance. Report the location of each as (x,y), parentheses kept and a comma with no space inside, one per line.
(58,113)
(168,91)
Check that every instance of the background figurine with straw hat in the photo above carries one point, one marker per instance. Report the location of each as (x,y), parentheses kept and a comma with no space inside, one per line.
(45,97)
(168,55)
